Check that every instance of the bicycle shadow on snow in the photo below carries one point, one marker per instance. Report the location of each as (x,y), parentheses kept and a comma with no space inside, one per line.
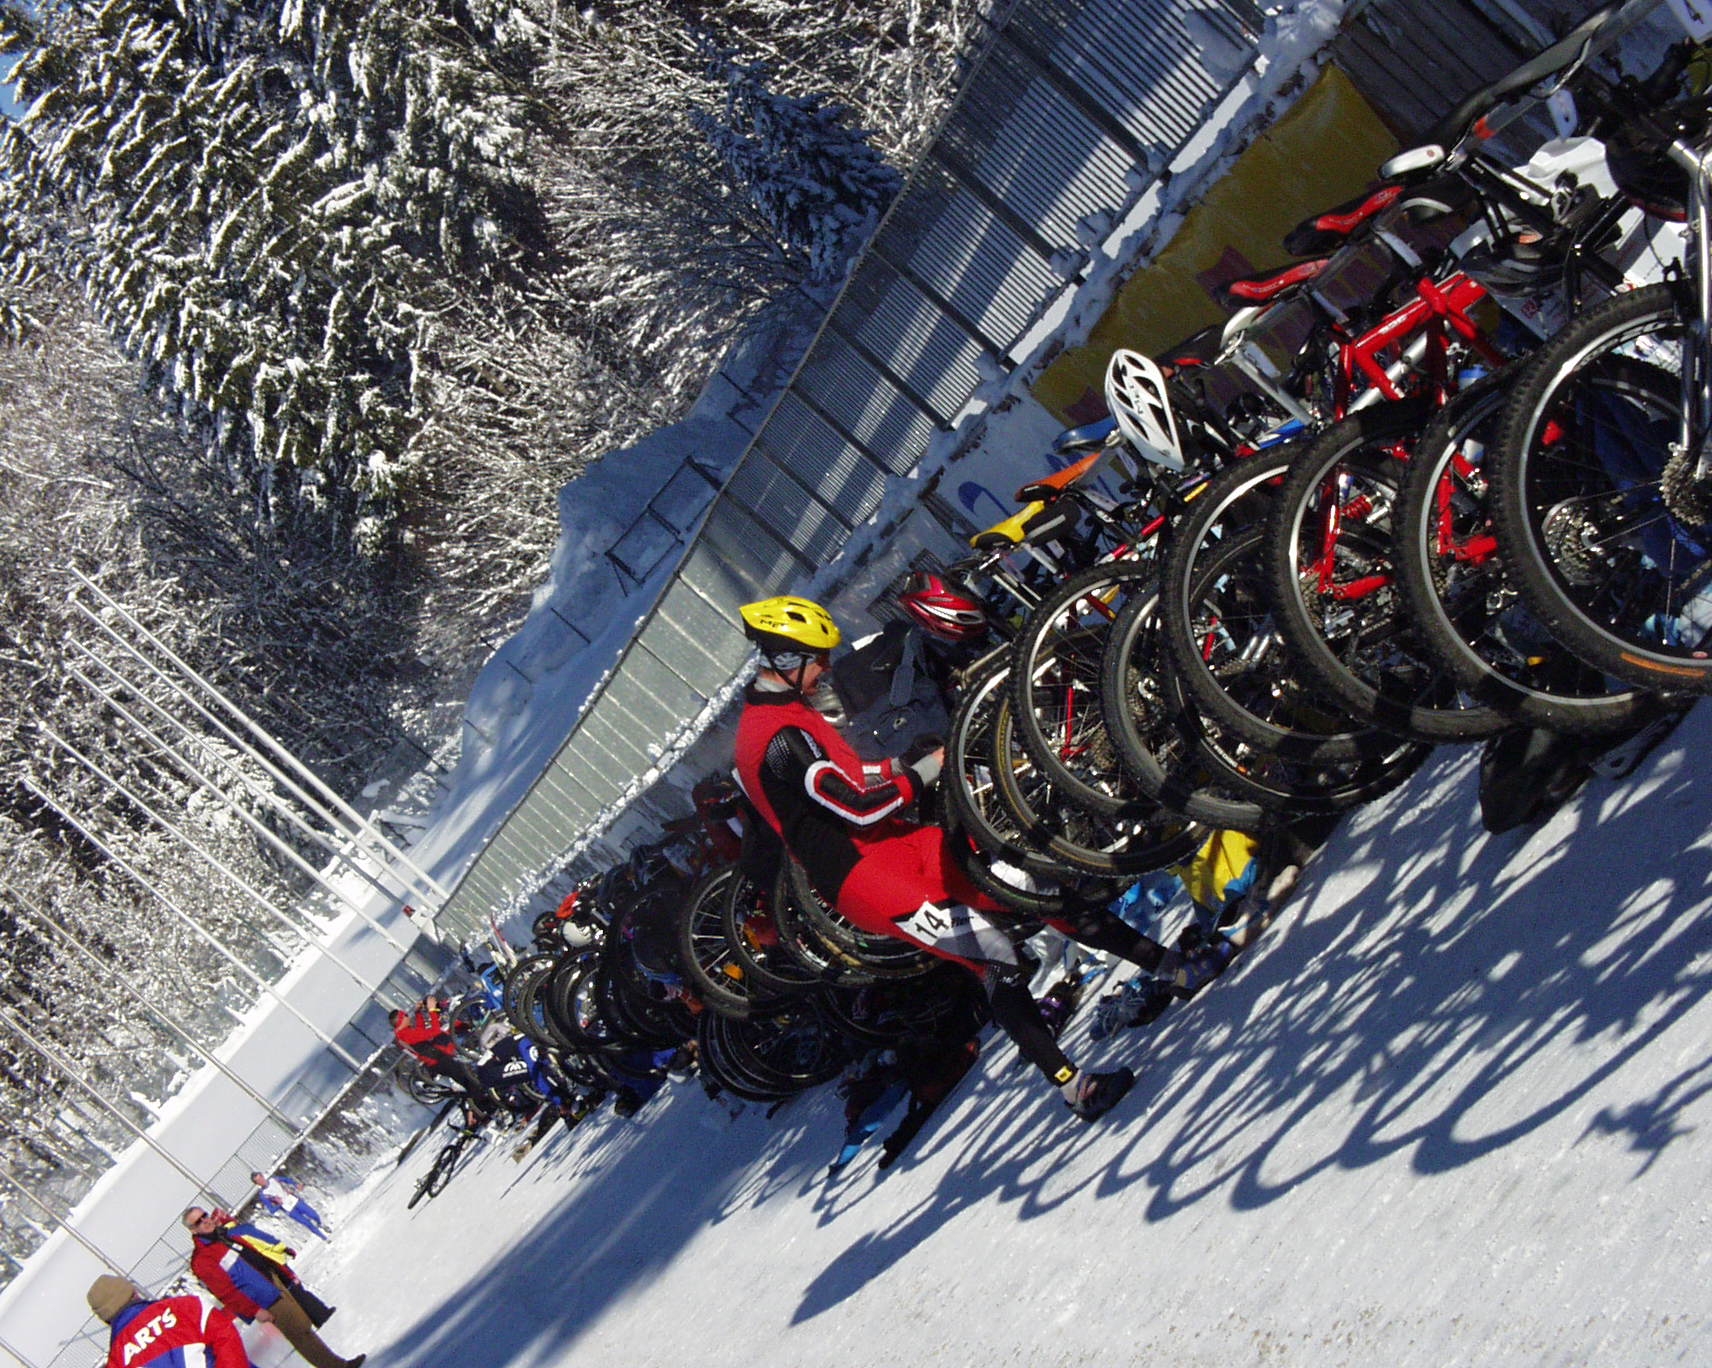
(1408,1004)
(1468,962)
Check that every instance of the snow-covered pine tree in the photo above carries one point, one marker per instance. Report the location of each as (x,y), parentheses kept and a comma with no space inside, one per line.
(816,182)
(270,207)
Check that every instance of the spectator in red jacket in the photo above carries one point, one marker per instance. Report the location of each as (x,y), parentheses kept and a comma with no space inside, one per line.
(245,1269)
(159,1332)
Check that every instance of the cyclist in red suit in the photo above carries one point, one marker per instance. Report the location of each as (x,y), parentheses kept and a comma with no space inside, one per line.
(421,1033)
(843,821)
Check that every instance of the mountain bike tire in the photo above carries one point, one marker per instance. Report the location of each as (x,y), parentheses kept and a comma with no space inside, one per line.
(970,786)
(1143,837)
(712,1060)
(880,957)
(1055,685)
(1220,630)
(1464,603)
(1579,497)
(556,999)
(825,961)
(1027,893)
(1334,586)
(1182,758)
(520,984)
(747,916)
(711,964)
(434,1182)
(802,1048)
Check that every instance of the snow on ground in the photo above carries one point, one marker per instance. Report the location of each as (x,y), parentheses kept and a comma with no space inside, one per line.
(1453,1109)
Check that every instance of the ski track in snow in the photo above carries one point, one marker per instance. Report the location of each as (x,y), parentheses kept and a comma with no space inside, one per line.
(1451,1109)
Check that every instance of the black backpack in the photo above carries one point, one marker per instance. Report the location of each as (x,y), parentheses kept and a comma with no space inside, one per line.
(1528,773)
(892,702)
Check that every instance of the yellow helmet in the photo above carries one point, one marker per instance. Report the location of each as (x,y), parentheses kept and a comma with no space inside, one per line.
(789,625)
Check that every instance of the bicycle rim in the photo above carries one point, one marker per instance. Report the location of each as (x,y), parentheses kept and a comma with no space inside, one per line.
(1465,604)
(969,780)
(1055,685)
(1145,836)
(1145,714)
(708,956)
(1580,500)
(1221,633)
(1336,589)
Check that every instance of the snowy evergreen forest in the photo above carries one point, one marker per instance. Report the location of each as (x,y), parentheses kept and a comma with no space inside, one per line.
(308,310)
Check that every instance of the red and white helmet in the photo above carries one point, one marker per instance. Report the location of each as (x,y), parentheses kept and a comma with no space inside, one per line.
(942,609)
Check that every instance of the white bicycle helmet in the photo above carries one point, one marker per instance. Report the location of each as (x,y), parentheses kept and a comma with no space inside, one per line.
(1135,393)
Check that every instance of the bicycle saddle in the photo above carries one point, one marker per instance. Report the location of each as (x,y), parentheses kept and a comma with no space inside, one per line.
(1049,487)
(1088,437)
(1032,525)
(1200,349)
(1322,233)
(1266,286)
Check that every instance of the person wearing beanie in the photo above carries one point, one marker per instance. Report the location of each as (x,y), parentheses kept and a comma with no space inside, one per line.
(245,1270)
(169,1332)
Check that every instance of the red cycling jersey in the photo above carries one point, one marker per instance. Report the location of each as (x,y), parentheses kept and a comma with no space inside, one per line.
(425,1037)
(841,817)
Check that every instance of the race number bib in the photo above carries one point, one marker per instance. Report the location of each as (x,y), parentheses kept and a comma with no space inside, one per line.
(959,930)
(930,925)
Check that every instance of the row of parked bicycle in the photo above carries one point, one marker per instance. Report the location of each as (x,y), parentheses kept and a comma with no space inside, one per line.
(1374,513)
(625,976)
(1443,482)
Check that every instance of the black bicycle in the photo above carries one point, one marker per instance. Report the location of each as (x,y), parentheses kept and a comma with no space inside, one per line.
(433,1182)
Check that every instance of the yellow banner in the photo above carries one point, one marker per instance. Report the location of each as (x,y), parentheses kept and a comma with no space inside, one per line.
(1325,150)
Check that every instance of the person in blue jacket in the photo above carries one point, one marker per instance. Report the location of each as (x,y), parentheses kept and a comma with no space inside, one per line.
(244,1267)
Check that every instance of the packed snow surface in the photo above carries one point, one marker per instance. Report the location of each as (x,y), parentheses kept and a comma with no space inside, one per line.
(1451,1109)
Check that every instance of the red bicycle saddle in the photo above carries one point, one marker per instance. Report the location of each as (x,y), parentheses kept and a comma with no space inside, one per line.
(1326,232)
(1268,285)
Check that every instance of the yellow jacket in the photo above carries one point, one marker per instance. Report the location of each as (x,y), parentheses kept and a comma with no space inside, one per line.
(1226,859)
(274,1251)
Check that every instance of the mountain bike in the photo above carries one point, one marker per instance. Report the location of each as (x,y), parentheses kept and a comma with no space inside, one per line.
(1602,477)
(439,1174)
